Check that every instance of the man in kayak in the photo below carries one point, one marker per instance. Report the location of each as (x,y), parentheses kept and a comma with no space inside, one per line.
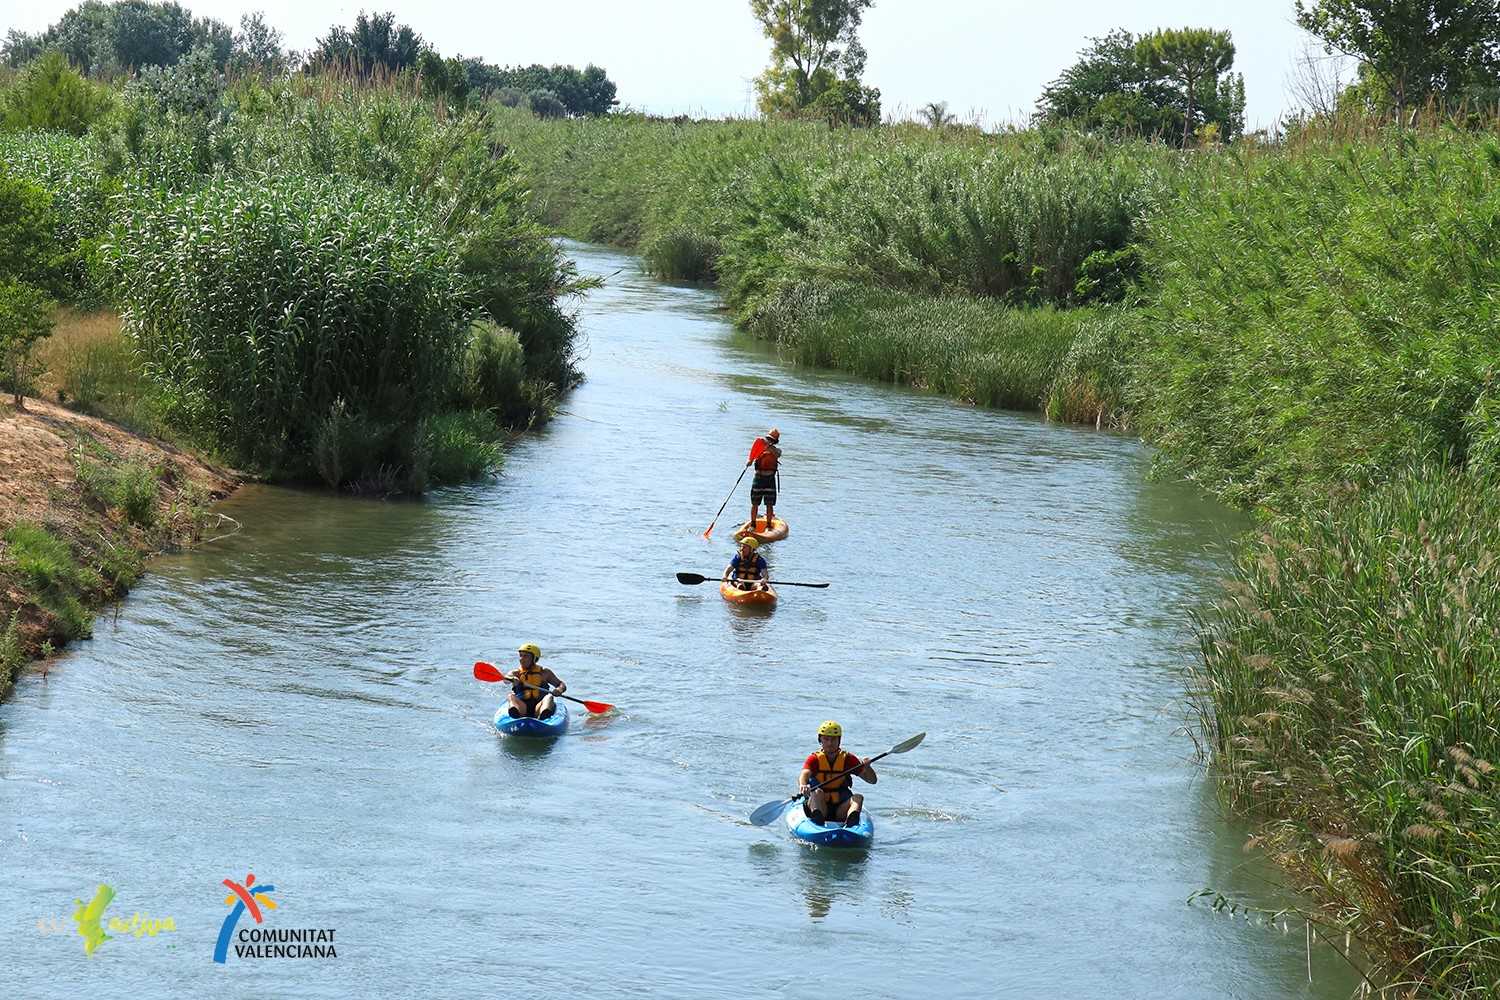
(835,802)
(527,695)
(748,570)
(763,486)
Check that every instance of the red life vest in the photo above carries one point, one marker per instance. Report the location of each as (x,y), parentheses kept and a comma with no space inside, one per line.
(823,769)
(766,463)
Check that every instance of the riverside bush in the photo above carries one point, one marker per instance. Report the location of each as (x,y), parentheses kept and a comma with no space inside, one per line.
(256,305)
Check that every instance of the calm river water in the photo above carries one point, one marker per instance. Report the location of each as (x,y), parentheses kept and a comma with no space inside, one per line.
(296,700)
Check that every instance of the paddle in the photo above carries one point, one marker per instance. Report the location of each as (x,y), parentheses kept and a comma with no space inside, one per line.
(771,810)
(487,672)
(690,579)
(755,452)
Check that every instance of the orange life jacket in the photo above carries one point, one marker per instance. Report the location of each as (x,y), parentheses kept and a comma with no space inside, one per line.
(823,769)
(533,676)
(766,463)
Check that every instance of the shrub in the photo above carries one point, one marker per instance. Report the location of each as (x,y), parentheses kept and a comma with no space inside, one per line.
(50,96)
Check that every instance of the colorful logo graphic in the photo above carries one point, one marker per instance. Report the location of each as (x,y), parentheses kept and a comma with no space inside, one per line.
(89,921)
(88,915)
(240,899)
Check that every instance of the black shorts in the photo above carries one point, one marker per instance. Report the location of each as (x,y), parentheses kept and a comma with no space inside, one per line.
(763,490)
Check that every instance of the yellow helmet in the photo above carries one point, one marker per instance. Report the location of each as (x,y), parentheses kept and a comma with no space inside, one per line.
(751,541)
(533,649)
(831,728)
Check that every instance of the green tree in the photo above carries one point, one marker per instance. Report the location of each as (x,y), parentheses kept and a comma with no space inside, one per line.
(1191,56)
(813,42)
(1115,87)
(1415,49)
(375,42)
(257,46)
(50,95)
(935,114)
(25,318)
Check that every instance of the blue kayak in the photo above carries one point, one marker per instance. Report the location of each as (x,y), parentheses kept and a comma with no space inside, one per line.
(859,835)
(552,725)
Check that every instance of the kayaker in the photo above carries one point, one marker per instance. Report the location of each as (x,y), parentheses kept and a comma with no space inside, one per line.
(763,487)
(836,801)
(532,701)
(748,570)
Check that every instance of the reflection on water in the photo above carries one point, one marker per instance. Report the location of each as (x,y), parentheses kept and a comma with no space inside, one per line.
(828,874)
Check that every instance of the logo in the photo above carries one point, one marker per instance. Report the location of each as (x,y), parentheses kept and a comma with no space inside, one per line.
(89,922)
(258,942)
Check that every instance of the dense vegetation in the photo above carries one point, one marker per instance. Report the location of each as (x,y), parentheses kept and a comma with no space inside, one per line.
(361,269)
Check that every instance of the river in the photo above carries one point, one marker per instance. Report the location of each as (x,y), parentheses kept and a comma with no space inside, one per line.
(296,701)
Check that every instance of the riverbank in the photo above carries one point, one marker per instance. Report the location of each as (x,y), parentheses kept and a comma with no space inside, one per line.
(83,504)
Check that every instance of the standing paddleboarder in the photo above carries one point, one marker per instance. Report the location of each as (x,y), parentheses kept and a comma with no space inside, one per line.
(763,487)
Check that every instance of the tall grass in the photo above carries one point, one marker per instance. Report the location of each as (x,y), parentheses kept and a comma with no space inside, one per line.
(256,306)
(1324,316)
(1352,679)
(977,350)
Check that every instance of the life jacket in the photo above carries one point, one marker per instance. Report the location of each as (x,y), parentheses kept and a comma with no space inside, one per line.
(766,464)
(738,570)
(823,769)
(532,676)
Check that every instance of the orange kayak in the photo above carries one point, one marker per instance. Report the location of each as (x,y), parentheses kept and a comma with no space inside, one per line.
(749,598)
(763,533)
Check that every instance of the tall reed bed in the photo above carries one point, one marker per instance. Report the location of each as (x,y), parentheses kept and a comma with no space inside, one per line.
(977,350)
(1325,315)
(1352,686)
(257,306)
(1012,217)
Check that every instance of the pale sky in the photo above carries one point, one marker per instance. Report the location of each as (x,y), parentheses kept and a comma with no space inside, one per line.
(987,57)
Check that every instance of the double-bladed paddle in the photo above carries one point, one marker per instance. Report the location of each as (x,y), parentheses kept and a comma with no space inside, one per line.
(768,812)
(695,578)
(488,672)
(755,452)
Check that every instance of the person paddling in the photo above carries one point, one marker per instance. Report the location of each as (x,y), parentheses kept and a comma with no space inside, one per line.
(528,684)
(835,802)
(748,570)
(763,486)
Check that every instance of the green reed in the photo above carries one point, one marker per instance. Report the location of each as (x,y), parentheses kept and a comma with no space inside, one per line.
(1351,679)
(257,305)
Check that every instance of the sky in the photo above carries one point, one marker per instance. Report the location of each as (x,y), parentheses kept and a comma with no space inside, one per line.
(988,59)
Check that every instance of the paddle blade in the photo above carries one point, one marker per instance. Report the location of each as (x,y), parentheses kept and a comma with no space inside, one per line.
(708,532)
(910,744)
(691,578)
(757,449)
(487,672)
(598,707)
(769,812)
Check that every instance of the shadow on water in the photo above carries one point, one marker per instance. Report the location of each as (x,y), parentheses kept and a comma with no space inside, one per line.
(528,749)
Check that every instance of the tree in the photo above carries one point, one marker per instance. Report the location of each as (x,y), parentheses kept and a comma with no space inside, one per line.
(257,46)
(25,318)
(848,102)
(1114,88)
(50,95)
(935,114)
(811,41)
(1417,49)
(1191,56)
(375,42)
